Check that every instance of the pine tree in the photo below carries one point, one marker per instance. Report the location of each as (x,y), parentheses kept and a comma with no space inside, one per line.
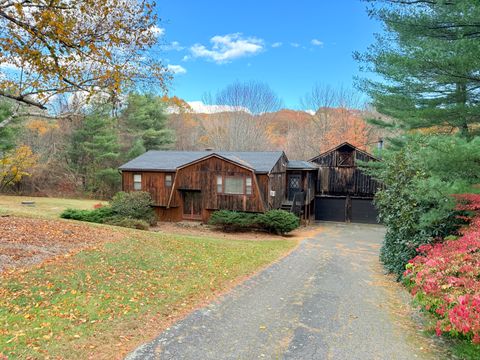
(428,60)
(94,153)
(145,116)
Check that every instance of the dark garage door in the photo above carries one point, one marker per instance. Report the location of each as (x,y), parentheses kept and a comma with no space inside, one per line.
(363,211)
(336,209)
(330,209)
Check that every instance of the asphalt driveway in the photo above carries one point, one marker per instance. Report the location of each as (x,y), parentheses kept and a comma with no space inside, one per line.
(328,299)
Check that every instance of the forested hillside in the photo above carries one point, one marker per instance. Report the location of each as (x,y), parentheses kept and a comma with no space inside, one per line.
(78,153)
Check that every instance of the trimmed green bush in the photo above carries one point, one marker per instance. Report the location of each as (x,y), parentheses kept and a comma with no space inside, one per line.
(274,221)
(233,220)
(98,215)
(134,205)
(132,210)
(279,221)
(128,223)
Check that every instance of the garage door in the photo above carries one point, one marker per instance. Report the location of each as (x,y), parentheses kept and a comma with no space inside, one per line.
(330,209)
(337,209)
(363,211)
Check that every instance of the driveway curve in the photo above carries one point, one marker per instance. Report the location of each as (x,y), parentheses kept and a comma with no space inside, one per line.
(329,299)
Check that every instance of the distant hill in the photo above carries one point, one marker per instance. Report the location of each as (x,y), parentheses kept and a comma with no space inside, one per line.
(300,134)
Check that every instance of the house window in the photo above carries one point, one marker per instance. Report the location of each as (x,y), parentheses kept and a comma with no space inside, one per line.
(137,182)
(168,180)
(248,186)
(234,185)
(219,184)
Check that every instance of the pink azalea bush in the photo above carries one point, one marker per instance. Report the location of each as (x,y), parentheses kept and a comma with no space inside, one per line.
(445,277)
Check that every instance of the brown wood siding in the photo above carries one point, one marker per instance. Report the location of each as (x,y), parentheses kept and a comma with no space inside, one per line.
(171,214)
(202,176)
(335,179)
(153,182)
(277,180)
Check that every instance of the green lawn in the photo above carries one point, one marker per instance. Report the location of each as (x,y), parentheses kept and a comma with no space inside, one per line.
(103,302)
(44,207)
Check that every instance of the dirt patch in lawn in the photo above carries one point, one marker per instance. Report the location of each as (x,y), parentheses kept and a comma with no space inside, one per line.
(192,228)
(28,241)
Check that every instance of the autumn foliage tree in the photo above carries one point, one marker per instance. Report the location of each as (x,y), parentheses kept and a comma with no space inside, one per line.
(55,47)
(14,165)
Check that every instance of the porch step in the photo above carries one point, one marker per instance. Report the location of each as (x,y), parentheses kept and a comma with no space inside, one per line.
(287,205)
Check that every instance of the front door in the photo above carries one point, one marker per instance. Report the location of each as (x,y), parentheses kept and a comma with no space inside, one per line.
(294,185)
(192,205)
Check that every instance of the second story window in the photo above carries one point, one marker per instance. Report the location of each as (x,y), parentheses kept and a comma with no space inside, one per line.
(248,186)
(168,180)
(137,182)
(219,184)
(234,186)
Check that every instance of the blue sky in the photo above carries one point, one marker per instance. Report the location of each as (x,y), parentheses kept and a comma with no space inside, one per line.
(291,45)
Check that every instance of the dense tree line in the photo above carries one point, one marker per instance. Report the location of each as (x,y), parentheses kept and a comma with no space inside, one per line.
(428,61)
(80,154)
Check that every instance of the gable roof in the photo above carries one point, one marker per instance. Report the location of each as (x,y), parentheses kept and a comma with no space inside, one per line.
(155,160)
(344,144)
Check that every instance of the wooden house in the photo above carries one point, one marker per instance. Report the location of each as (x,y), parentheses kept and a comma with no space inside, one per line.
(193,184)
(344,192)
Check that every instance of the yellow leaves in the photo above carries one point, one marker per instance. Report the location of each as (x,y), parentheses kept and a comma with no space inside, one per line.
(15,165)
(41,127)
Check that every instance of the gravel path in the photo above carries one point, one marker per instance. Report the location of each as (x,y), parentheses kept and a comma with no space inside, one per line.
(329,299)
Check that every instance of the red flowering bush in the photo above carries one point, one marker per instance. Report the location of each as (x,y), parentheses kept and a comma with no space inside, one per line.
(445,277)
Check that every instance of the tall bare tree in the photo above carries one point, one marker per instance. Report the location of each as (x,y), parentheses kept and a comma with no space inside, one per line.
(241,121)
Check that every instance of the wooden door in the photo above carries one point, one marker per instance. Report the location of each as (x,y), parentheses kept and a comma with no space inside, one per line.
(192,205)
(294,185)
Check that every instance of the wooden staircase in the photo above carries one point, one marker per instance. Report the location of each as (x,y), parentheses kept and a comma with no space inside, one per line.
(296,205)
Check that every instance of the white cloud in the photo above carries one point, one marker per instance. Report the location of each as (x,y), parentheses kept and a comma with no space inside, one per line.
(199,107)
(174,45)
(295,45)
(277,44)
(228,47)
(311,112)
(317,42)
(186,58)
(157,31)
(176,69)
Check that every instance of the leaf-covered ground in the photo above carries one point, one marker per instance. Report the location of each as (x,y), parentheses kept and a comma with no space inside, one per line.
(29,241)
(121,290)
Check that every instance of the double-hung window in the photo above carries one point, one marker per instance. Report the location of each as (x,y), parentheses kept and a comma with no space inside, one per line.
(248,186)
(168,180)
(219,184)
(137,182)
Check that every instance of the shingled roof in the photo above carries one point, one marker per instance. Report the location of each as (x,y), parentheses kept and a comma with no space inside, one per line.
(154,160)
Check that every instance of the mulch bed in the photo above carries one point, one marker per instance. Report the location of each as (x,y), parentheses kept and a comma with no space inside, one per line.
(27,241)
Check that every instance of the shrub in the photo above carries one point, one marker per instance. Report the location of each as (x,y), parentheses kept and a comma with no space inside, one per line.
(414,203)
(98,215)
(279,221)
(233,220)
(134,205)
(445,278)
(128,223)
